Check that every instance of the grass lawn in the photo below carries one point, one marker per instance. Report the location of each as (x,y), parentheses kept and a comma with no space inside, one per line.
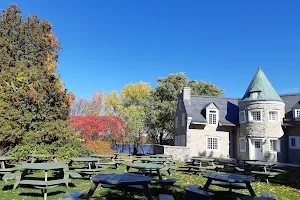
(285,187)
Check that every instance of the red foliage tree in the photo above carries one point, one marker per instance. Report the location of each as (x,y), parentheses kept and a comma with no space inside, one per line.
(104,128)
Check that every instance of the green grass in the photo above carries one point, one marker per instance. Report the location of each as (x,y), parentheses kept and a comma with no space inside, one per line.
(280,189)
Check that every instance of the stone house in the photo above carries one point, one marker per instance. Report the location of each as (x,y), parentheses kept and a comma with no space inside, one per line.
(262,125)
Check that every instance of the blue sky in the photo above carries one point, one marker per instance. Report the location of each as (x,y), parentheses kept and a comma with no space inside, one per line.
(108,44)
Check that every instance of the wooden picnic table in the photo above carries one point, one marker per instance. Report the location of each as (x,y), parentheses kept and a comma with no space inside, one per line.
(48,182)
(160,156)
(150,160)
(105,156)
(232,180)
(38,157)
(121,180)
(202,159)
(4,160)
(146,166)
(261,164)
(90,167)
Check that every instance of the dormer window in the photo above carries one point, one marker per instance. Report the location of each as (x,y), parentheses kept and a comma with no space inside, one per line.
(297,114)
(212,114)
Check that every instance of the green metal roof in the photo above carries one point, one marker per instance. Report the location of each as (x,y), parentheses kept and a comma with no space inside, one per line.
(260,89)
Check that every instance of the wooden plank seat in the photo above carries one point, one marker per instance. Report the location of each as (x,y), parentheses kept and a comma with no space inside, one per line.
(169,181)
(198,194)
(229,185)
(75,195)
(240,169)
(44,184)
(73,174)
(165,197)
(268,173)
(109,186)
(8,170)
(194,187)
(89,170)
(10,176)
(115,164)
(198,167)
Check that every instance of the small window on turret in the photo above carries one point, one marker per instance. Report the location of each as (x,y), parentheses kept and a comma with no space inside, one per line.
(255,115)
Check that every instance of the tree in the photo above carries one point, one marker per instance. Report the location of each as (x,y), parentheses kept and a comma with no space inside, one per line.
(164,101)
(92,106)
(103,128)
(34,105)
(133,106)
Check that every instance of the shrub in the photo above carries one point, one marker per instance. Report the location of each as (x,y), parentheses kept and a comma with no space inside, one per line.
(99,147)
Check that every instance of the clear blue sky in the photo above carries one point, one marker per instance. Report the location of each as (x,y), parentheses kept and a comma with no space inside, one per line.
(108,44)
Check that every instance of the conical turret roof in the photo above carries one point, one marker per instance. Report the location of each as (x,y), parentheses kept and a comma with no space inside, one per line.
(260,89)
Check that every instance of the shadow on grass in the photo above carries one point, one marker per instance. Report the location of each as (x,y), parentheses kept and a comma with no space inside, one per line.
(36,194)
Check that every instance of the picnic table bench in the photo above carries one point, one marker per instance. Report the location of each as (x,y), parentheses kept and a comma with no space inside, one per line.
(262,168)
(47,182)
(90,167)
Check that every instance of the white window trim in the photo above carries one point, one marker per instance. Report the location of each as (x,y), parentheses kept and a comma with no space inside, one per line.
(217,117)
(297,143)
(244,113)
(251,118)
(277,145)
(277,116)
(206,145)
(242,150)
(295,114)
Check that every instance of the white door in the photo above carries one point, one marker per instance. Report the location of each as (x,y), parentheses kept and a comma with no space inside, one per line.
(258,150)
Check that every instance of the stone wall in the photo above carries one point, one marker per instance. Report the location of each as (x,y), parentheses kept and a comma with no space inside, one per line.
(196,141)
(177,152)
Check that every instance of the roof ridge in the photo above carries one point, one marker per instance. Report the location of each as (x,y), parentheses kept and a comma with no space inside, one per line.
(221,97)
(291,94)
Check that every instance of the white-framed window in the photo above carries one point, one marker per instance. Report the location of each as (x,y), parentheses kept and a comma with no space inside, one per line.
(255,115)
(242,144)
(212,143)
(176,122)
(297,114)
(242,116)
(294,142)
(213,116)
(183,119)
(274,145)
(273,115)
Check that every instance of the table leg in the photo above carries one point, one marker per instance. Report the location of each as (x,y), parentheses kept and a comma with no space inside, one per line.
(46,175)
(127,169)
(249,187)
(92,190)
(207,184)
(159,174)
(147,192)
(2,164)
(19,178)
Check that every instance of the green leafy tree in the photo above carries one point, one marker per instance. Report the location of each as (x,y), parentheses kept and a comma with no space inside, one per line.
(34,105)
(164,100)
(133,106)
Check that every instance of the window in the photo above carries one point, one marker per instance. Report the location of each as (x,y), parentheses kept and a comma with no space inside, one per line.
(273,115)
(242,144)
(294,142)
(297,114)
(274,145)
(242,116)
(183,119)
(255,116)
(212,117)
(212,143)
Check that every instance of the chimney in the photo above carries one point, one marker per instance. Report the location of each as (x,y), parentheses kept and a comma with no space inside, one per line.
(186,93)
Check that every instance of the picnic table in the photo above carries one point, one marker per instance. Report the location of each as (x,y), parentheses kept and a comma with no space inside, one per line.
(231,181)
(108,159)
(48,182)
(200,163)
(146,167)
(90,165)
(160,156)
(121,180)
(4,166)
(43,157)
(150,160)
(105,156)
(261,164)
